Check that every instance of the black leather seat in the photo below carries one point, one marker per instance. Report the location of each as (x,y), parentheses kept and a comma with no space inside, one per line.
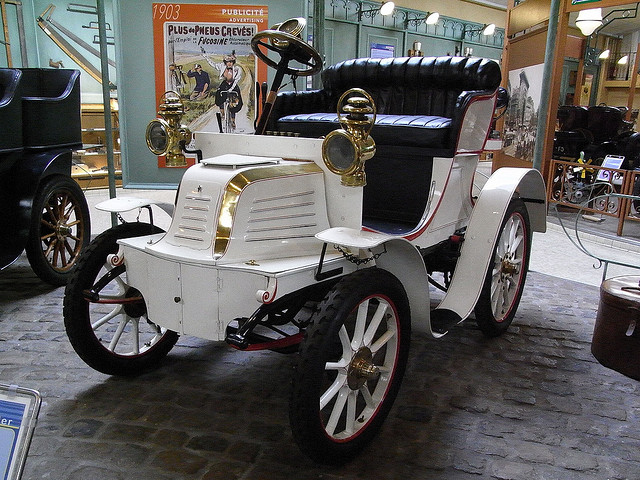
(427,131)
(420,100)
(597,131)
(606,123)
(421,103)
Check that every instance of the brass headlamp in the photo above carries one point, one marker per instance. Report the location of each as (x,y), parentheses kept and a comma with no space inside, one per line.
(165,135)
(293,26)
(345,150)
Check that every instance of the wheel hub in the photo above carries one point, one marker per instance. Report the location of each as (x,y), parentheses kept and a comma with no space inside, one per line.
(508,267)
(62,230)
(361,369)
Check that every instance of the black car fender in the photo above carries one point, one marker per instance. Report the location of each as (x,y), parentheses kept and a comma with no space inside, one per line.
(22,175)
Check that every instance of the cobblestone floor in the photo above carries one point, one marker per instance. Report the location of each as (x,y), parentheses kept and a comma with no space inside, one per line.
(532,404)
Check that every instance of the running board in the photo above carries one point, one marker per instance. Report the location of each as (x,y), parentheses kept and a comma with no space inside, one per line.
(252,341)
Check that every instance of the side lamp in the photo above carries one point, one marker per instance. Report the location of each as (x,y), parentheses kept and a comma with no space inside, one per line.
(345,150)
(166,135)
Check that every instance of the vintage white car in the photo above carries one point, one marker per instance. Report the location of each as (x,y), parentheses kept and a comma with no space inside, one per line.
(273,244)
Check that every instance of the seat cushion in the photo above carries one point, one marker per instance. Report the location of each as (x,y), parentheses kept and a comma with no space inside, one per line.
(424,131)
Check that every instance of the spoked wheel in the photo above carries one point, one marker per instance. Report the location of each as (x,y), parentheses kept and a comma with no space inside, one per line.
(507,272)
(106,318)
(351,365)
(60,228)
(227,120)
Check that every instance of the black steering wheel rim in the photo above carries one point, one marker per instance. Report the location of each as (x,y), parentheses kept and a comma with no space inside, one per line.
(285,43)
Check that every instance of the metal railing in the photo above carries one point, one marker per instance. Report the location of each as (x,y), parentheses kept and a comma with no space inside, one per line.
(595,189)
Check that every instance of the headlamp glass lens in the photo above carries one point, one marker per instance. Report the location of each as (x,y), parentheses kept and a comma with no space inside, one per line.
(157,137)
(341,152)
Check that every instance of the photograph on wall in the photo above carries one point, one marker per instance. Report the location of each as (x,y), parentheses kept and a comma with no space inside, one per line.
(203,52)
(521,119)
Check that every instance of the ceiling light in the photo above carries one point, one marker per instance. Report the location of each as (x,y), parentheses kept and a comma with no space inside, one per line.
(605,54)
(432,18)
(489,29)
(387,8)
(624,60)
(589,20)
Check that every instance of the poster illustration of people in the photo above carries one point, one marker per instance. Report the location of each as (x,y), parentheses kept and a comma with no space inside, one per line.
(203,52)
(521,119)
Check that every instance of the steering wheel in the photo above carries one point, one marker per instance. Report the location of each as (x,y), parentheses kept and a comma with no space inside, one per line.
(289,47)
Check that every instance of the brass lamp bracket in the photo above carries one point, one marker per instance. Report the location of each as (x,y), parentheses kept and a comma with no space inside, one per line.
(165,134)
(345,150)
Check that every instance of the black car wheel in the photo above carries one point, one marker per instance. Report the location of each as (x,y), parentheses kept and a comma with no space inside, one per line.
(60,229)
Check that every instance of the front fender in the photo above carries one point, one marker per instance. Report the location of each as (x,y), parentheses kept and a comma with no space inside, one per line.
(405,262)
(400,258)
(482,233)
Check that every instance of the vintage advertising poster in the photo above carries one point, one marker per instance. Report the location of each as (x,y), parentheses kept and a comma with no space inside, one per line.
(203,52)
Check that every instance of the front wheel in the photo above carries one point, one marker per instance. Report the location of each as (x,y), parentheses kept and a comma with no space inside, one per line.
(106,318)
(351,365)
(507,272)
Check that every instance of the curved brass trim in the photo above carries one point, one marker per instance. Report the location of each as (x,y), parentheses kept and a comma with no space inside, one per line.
(235,186)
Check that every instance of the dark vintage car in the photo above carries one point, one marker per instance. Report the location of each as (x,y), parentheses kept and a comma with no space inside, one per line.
(44,210)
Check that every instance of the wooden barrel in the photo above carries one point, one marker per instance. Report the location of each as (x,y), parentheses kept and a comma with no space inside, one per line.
(616,335)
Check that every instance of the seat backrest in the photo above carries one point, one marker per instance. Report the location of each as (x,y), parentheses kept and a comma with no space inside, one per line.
(48,82)
(572,117)
(605,123)
(51,108)
(413,85)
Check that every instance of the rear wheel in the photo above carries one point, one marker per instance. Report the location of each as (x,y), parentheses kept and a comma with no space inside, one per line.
(351,365)
(507,272)
(60,229)
(105,318)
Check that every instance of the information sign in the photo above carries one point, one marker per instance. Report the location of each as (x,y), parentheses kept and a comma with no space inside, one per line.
(379,50)
(611,161)
(19,408)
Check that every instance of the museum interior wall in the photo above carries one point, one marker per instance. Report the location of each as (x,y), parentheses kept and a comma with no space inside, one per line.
(62,34)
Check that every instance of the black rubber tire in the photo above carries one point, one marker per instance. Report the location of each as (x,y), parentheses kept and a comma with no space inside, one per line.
(322,344)
(60,229)
(491,321)
(78,311)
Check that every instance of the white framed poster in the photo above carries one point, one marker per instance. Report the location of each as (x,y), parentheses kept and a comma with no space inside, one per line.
(521,119)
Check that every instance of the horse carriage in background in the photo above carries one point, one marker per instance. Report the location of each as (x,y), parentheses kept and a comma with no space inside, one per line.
(44,209)
(323,243)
